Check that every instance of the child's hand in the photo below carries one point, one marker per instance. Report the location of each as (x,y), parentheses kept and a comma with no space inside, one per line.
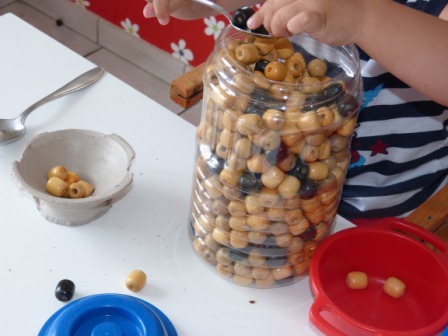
(162,9)
(334,22)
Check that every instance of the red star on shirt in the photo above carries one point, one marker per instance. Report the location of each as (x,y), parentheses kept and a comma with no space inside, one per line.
(379,148)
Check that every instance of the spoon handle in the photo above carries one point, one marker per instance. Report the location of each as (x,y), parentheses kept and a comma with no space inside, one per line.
(216,7)
(80,82)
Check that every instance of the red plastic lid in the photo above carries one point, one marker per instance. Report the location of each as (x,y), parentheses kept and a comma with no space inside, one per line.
(390,248)
(108,314)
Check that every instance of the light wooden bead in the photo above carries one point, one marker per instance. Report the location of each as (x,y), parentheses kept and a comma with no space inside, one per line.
(242,269)
(308,121)
(300,227)
(289,187)
(219,206)
(88,188)
(267,139)
(209,256)
(311,85)
(255,259)
(275,214)
(211,243)
(281,272)
(58,171)
(283,240)
(258,222)
(243,280)
(247,53)
(294,216)
(256,237)
(238,223)
(265,283)
(224,271)
(72,177)
(357,280)
(221,237)
(136,280)
(243,147)
(230,177)
(248,124)
(222,257)
(237,208)
(302,267)
(260,273)
(278,228)
(76,190)
(269,198)
(394,287)
(318,170)
(57,187)
(273,119)
(317,67)
(213,187)
(253,205)
(284,48)
(273,177)
(238,239)
(258,163)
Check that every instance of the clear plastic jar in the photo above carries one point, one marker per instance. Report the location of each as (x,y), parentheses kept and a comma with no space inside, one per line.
(272,154)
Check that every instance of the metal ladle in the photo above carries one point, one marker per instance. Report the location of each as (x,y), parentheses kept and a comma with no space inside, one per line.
(13,129)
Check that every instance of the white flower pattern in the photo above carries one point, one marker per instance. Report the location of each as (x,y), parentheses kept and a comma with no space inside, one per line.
(181,52)
(214,27)
(130,27)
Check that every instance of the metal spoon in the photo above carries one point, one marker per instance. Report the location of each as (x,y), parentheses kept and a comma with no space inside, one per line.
(224,12)
(13,129)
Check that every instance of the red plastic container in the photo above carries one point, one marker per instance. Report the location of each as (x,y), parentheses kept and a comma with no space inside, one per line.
(393,247)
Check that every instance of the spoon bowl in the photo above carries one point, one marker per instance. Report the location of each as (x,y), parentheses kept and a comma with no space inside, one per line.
(224,12)
(13,129)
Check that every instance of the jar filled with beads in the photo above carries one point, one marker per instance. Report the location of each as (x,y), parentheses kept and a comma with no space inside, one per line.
(273,148)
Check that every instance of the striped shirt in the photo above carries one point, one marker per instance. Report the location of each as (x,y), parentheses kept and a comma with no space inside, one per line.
(400,145)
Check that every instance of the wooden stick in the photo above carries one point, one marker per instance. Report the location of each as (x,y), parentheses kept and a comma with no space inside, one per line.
(186,90)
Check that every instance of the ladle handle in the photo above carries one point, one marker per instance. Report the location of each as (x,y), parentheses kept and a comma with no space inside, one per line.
(78,83)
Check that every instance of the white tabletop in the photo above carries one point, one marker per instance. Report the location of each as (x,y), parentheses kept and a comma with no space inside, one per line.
(146,230)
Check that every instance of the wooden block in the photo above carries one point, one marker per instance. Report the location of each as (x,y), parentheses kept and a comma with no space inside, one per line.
(186,89)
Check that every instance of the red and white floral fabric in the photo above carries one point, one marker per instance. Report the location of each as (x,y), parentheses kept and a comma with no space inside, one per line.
(189,41)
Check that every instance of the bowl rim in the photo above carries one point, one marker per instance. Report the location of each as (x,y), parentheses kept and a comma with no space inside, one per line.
(121,185)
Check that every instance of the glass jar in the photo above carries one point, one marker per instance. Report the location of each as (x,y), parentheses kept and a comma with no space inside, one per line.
(273,148)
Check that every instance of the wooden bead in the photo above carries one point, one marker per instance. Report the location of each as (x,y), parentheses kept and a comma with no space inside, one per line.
(284,48)
(222,257)
(357,280)
(72,177)
(238,239)
(253,205)
(302,267)
(300,227)
(238,223)
(221,236)
(211,243)
(268,140)
(269,198)
(326,116)
(243,147)
(295,64)
(318,170)
(76,190)
(224,271)
(243,83)
(289,187)
(310,85)
(283,240)
(57,187)
(317,67)
(58,171)
(136,280)
(272,177)
(275,214)
(309,153)
(255,259)
(281,272)
(258,163)
(258,222)
(209,256)
(276,71)
(273,119)
(229,118)
(260,273)
(278,228)
(394,287)
(229,177)
(308,121)
(338,143)
(248,124)
(88,188)
(242,269)
(243,280)
(257,237)
(213,187)
(265,46)
(247,53)
(237,208)
(293,216)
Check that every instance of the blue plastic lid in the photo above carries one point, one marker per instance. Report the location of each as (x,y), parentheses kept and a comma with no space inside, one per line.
(108,315)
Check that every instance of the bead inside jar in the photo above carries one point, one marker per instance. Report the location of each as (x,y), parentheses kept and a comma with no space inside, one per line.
(273,147)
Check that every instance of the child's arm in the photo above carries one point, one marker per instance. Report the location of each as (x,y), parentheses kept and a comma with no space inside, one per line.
(410,44)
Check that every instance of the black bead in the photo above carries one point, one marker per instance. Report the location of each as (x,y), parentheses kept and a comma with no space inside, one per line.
(241,16)
(254,109)
(59,22)
(261,65)
(332,92)
(308,188)
(347,105)
(309,234)
(300,170)
(65,290)
(249,183)
(260,30)
(215,164)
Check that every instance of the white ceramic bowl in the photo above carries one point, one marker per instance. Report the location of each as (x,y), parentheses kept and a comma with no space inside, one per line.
(102,160)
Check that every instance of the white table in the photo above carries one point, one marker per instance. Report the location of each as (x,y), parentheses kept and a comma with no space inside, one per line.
(146,230)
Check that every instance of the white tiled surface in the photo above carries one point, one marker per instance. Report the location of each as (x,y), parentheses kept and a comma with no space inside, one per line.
(141,65)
